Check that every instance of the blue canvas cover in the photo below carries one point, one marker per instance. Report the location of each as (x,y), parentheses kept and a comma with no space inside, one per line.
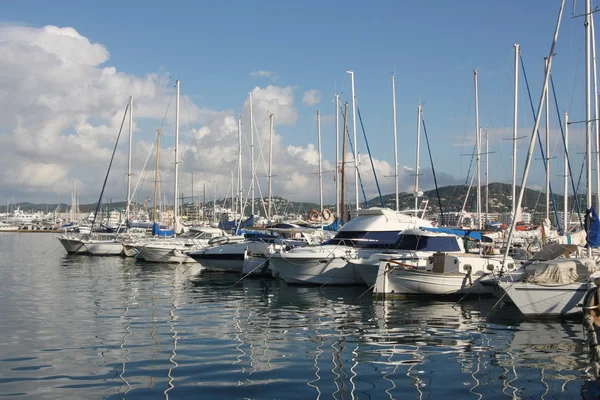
(592,227)
(156,231)
(458,232)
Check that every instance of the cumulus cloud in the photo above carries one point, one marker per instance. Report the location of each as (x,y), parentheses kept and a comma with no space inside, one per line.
(311,97)
(59,119)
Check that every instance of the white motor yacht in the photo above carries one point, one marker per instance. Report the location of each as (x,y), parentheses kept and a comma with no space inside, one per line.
(173,250)
(371,231)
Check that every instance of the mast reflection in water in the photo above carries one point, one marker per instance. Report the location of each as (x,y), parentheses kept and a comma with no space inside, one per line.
(107,327)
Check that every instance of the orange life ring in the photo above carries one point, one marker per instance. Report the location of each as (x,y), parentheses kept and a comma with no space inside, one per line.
(313,215)
(326,214)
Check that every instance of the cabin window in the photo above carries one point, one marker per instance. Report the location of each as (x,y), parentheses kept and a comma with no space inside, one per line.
(426,243)
(365,239)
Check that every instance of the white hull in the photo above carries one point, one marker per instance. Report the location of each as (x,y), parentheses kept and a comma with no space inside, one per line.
(130,250)
(401,281)
(163,255)
(544,300)
(316,270)
(227,258)
(103,248)
(368,273)
(72,245)
(257,266)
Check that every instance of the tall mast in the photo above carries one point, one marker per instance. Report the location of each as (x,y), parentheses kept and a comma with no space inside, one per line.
(566,176)
(547,152)
(270,163)
(156,175)
(597,130)
(337,153)
(240,175)
(395,140)
(343,177)
(477,149)
(515,131)
(251,151)
(320,170)
(354,138)
(192,207)
(175,198)
(416,194)
(536,126)
(487,178)
(588,108)
(129,157)
(215,201)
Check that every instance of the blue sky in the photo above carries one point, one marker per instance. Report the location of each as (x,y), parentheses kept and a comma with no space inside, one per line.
(432,47)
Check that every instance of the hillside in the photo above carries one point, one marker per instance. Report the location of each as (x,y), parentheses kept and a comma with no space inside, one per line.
(452,198)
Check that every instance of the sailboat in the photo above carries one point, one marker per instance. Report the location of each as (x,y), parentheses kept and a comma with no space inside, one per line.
(555,288)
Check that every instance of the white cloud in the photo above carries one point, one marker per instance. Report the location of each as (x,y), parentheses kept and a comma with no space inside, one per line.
(261,74)
(311,97)
(59,119)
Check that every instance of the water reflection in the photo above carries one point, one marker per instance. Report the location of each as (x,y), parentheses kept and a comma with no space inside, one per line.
(133,330)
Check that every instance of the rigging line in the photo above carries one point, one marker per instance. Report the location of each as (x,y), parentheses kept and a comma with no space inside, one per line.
(433,171)
(167,110)
(109,166)
(370,157)
(356,162)
(558,225)
(357,169)
(562,132)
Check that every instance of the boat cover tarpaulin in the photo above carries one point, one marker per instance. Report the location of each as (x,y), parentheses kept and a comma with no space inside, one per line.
(156,231)
(562,271)
(231,225)
(592,227)
(458,232)
(334,226)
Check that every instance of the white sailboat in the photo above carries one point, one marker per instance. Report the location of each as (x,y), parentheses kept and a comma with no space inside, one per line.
(555,288)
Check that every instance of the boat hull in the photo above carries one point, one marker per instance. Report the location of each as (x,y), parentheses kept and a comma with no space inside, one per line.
(413,282)
(328,270)
(72,245)
(103,248)
(164,254)
(229,258)
(539,301)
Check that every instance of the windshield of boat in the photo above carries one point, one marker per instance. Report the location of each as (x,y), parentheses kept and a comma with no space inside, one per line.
(365,239)
(426,243)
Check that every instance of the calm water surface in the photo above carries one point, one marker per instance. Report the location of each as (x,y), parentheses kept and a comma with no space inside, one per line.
(83,327)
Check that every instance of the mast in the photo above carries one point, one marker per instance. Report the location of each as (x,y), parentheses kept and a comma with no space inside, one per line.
(251,151)
(193,192)
(343,177)
(487,170)
(270,163)
(416,194)
(215,201)
(337,153)
(566,176)
(354,138)
(156,175)
(515,131)
(175,198)
(596,115)
(588,109)
(536,126)
(547,152)
(395,141)
(129,157)
(320,170)
(240,176)
(477,149)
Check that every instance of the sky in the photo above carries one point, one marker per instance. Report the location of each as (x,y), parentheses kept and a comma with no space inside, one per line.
(68,68)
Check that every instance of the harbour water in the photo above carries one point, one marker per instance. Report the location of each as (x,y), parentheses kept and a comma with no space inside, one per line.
(85,327)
